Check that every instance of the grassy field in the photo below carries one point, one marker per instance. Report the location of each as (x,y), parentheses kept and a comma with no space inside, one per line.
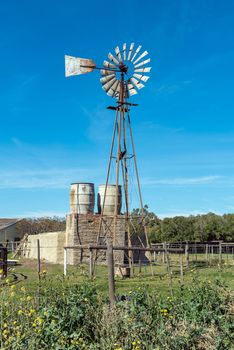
(155,277)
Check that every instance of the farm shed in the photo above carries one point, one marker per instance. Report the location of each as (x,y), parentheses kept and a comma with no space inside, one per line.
(9,231)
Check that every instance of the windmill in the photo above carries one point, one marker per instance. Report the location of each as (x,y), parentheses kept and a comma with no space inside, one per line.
(123,74)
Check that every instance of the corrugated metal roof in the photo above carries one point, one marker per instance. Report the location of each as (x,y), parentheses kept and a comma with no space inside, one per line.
(4,222)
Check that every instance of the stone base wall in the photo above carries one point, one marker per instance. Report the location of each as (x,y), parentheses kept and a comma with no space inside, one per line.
(82,229)
(51,246)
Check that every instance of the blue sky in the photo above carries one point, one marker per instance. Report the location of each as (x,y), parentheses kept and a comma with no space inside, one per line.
(55,131)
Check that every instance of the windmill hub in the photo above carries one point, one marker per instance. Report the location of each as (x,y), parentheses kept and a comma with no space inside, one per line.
(123,68)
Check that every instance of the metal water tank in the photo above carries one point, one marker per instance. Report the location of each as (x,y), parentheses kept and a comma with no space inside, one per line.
(82,198)
(109,208)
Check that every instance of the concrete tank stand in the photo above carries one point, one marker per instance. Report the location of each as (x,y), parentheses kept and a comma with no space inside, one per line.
(82,229)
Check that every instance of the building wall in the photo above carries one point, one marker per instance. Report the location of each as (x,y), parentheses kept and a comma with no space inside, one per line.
(51,246)
(10,234)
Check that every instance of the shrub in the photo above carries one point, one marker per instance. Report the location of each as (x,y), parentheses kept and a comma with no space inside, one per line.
(66,316)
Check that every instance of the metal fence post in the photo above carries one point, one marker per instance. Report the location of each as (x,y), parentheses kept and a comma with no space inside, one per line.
(65,262)
(38,259)
(220,254)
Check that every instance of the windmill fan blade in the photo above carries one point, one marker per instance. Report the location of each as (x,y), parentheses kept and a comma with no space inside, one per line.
(137,83)
(109,65)
(141,56)
(132,91)
(104,80)
(105,72)
(113,59)
(137,50)
(117,51)
(124,51)
(112,91)
(77,65)
(141,77)
(143,70)
(130,51)
(142,63)
(109,84)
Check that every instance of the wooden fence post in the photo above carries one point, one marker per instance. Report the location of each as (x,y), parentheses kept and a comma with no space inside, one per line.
(164,247)
(139,260)
(181,269)
(3,260)
(111,277)
(187,254)
(90,263)
(168,268)
(196,250)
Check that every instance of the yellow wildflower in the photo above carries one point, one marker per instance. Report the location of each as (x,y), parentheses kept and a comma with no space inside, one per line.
(13,286)
(20,312)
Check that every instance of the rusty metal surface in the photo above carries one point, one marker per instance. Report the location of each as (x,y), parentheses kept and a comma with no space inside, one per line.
(104,80)
(108,85)
(137,83)
(132,91)
(124,51)
(141,77)
(77,65)
(142,63)
(82,198)
(130,51)
(118,54)
(113,59)
(105,72)
(115,88)
(136,52)
(143,70)
(108,64)
(145,53)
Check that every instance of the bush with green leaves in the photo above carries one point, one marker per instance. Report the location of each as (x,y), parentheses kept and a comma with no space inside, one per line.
(62,316)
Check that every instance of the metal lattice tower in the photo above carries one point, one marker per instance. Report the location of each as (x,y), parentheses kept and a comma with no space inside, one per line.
(122,75)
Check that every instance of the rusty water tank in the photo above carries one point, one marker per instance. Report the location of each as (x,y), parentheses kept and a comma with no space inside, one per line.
(109,208)
(82,198)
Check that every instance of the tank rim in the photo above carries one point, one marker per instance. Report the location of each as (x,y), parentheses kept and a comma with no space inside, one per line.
(109,185)
(82,183)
